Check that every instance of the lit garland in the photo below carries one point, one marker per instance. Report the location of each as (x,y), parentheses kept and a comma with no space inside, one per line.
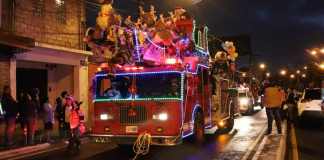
(137,99)
(137,46)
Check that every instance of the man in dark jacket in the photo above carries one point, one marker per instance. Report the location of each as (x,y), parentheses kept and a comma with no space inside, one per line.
(31,116)
(10,108)
(60,112)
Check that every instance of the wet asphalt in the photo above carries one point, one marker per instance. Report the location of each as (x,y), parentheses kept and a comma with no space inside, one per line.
(231,146)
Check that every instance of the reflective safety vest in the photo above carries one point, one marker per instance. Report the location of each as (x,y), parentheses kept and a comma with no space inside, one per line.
(75,119)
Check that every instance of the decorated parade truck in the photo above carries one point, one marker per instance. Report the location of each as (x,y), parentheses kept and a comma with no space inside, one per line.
(157,78)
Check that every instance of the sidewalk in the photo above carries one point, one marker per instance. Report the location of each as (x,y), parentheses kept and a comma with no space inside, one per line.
(20,150)
(273,146)
(19,138)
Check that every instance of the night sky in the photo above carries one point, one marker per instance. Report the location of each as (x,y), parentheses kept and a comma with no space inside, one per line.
(280,30)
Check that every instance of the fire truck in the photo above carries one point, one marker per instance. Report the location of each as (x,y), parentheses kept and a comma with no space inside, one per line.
(172,97)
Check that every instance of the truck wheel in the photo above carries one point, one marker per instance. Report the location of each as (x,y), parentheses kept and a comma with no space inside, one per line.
(199,131)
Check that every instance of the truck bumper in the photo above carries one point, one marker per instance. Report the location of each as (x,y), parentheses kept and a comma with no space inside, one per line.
(130,139)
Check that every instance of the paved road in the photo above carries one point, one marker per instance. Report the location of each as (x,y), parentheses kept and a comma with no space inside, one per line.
(229,146)
(310,142)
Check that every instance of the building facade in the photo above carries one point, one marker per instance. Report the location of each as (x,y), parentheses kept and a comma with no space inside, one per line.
(46,50)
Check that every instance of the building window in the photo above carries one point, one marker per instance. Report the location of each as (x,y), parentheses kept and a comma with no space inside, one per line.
(38,7)
(61,11)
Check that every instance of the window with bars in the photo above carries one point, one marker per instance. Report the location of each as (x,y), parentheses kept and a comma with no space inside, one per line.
(61,11)
(38,7)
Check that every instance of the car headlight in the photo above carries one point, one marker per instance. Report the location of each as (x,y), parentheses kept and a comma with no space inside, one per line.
(161,116)
(105,116)
(244,101)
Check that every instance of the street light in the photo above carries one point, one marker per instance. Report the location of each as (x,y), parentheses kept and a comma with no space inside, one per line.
(292,76)
(262,66)
(283,72)
(298,71)
(268,74)
(304,75)
(321,66)
(305,68)
(322,50)
(313,52)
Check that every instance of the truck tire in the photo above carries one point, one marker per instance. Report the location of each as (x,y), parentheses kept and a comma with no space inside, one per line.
(199,130)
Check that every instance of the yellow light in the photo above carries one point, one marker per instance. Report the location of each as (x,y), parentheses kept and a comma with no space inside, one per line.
(321,66)
(298,71)
(221,123)
(322,51)
(99,69)
(292,76)
(313,52)
(283,72)
(262,66)
(305,67)
(268,74)
(304,75)
(244,74)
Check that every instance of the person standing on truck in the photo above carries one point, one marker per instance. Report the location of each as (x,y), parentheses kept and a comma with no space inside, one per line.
(273,99)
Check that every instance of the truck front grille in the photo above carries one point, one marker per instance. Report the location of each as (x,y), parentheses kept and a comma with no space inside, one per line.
(139,115)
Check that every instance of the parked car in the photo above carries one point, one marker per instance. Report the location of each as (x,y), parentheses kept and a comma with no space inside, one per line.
(310,105)
(246,101)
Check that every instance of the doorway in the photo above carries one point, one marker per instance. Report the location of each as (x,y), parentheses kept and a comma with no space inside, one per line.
(27,79)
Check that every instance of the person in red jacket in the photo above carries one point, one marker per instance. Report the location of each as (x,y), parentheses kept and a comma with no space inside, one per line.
(76,125)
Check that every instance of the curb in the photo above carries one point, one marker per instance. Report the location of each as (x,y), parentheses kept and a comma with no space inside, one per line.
(255,143)
(282,145)
(30,151)
(23,150)
(279,152)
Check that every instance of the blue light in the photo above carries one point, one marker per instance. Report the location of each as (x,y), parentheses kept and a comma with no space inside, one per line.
(138,99)
(139,73)
(187,135)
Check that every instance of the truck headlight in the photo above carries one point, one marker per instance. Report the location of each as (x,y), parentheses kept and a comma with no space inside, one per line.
(105,116)
(161,116)
(244,101)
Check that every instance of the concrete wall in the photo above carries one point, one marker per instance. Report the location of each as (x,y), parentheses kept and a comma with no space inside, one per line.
(47,28)
(4,74)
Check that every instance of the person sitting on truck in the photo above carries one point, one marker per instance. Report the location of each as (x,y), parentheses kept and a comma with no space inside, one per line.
(112,92)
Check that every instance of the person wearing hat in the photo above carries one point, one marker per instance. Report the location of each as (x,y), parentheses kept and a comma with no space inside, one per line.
(112,92)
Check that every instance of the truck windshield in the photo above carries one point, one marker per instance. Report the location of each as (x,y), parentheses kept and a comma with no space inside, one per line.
(160,85)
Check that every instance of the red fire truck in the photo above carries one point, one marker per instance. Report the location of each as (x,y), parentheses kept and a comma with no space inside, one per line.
(170,102)
(172,97)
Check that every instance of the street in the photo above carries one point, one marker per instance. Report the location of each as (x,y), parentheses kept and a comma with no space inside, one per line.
(310,142)
(229,146)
